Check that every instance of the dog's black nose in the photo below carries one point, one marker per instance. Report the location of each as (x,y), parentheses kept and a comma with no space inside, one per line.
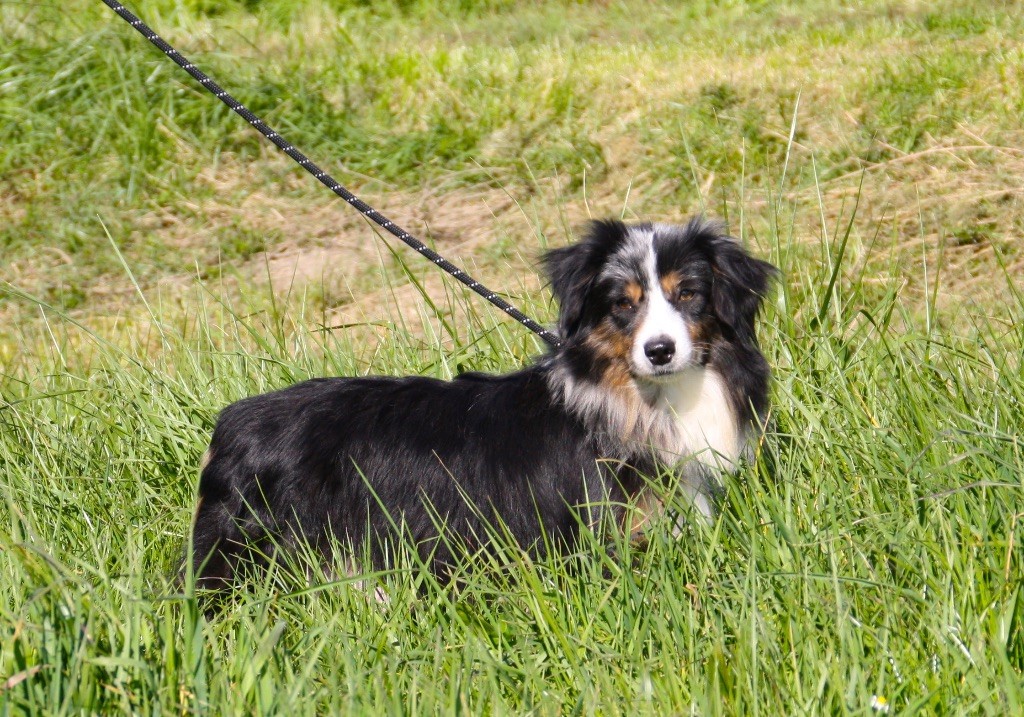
(660,350)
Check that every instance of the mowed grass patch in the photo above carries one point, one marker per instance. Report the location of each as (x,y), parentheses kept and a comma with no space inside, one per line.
(161,262)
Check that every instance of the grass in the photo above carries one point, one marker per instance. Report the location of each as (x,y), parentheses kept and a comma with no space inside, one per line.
(161,262)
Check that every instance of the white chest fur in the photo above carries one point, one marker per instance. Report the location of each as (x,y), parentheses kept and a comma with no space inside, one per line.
(705,425)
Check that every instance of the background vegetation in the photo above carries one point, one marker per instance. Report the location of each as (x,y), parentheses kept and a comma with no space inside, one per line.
(161,260)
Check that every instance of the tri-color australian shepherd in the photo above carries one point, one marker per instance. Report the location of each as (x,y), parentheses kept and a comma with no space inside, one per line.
(658,373)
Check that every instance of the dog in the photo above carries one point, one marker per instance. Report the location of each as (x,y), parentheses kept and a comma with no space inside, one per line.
(658,373)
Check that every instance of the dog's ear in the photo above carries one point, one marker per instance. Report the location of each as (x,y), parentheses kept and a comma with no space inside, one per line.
(572,271)
(740,284)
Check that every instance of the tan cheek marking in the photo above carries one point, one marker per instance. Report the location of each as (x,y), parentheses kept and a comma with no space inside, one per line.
(701,332)
(609,343)
(205,460)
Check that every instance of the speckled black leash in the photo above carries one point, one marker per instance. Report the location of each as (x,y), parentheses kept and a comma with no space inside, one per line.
(327,180)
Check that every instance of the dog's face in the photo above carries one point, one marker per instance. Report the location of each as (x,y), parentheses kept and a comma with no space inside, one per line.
(647,301)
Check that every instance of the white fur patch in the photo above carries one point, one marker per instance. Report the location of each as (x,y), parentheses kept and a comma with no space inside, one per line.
(621,417)
(705,424)
(661,319)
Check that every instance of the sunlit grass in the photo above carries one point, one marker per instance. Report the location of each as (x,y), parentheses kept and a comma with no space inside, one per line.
(870,555)
(873,549)
(663,108)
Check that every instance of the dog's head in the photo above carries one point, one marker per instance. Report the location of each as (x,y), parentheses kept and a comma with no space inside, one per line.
(647,301)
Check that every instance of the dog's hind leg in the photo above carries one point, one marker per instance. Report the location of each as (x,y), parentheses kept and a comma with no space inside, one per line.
(217,545)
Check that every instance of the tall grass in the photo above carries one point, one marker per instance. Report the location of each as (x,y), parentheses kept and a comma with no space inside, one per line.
(873,550)
(869,559)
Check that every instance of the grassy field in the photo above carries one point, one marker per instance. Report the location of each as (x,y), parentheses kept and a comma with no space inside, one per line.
(161,260)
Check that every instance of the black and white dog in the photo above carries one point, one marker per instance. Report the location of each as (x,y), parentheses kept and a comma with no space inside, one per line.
(659,371)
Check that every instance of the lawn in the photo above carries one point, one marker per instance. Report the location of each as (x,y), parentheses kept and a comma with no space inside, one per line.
(160,260)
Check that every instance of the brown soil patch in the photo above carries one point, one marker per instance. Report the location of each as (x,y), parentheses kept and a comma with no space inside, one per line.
(960,202)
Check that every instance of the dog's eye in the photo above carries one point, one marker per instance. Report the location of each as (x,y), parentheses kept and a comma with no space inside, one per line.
(685,295)
(624,304)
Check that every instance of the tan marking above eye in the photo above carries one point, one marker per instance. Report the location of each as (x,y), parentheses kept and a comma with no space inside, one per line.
(634,292)
(631,297)
(670,283)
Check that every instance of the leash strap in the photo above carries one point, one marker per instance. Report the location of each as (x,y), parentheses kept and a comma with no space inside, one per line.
(327,180)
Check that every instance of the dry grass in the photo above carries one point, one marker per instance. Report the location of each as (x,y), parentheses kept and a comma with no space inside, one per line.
(249,217)
(956,206)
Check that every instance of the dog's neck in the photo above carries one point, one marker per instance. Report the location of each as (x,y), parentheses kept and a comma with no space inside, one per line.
(685,418)
(701,424)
